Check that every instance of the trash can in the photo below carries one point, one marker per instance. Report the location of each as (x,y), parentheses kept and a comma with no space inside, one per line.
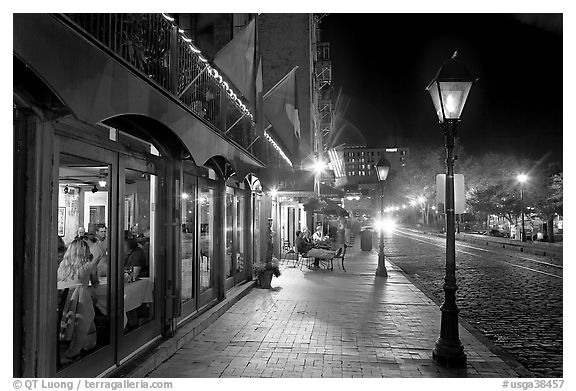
(366,240)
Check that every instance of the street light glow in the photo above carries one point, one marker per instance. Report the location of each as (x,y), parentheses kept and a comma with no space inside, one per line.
(421,199)
(319,166)
(522,178)
(386,224)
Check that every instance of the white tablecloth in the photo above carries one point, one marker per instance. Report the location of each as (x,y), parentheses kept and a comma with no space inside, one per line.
(135,294)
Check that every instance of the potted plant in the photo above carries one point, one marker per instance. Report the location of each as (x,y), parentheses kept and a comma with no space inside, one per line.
(264,273)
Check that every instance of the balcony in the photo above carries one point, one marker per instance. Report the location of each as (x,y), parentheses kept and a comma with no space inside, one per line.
(153,47)
(325,113)
(323,51)
(323,72)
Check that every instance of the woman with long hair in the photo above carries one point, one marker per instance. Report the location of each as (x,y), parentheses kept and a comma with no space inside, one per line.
(76,272)
(77,263)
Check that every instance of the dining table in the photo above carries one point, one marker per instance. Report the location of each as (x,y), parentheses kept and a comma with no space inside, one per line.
(136,293)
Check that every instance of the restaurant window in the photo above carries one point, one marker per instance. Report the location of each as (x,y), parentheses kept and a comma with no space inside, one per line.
(240,229)
(229,224)
(187,235)
(256,258)
(206,202)
(83,216)
(137,251)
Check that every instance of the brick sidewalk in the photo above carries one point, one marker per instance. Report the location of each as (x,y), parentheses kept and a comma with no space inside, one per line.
(330,324)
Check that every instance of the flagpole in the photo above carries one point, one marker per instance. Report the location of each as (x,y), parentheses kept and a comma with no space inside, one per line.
(280,82)
(234,124)
(192,82)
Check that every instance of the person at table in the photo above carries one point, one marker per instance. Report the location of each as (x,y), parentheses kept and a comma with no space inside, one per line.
(302,245)
(77,273)
(99,248)
(318,236)
(317,252)
(81,234)
(135,263)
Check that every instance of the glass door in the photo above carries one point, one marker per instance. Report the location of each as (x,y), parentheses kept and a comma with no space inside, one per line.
(236,226)
(85,186)
(139,301)
(241,231)
(188,258)
(206,228)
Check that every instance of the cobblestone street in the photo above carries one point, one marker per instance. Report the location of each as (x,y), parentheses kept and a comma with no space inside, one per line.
(518,309)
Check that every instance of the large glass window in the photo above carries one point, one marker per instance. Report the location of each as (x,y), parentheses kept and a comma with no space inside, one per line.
(206,203)
(188,219)
(257,255)
(240,229)
(229,261)
(138,248)
(83,217)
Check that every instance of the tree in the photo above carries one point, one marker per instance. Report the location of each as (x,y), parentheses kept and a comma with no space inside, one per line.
(546,194)
(417,179)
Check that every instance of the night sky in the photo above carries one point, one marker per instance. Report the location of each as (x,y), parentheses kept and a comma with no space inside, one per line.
(382,64)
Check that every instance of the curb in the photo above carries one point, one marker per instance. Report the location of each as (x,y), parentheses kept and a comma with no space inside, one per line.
(514,364)
(162,350)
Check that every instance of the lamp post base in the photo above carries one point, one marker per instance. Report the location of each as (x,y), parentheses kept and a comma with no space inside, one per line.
(449,354)
(381,270)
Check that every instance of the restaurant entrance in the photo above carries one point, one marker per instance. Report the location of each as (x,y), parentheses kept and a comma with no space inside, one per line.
(108,268)
(237,232)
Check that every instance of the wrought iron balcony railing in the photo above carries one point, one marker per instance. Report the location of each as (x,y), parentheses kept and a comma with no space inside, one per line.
(154,47)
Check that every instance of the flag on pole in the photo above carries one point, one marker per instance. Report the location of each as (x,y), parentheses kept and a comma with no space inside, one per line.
(259,83)
(280,108)
(236,61)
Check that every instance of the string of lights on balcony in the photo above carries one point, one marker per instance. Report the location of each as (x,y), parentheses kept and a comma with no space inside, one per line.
(277,147)
(211,71)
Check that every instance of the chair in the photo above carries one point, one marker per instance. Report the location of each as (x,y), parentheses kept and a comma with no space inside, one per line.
(341,256)
(287,255)
(302,257)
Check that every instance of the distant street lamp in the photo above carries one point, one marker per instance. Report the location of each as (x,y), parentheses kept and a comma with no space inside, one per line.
(449,91)
(382,170)
(319,167)
(522,178)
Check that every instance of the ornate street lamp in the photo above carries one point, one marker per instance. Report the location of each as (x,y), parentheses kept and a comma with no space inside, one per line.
(449,91)
(522,178)
(382,170)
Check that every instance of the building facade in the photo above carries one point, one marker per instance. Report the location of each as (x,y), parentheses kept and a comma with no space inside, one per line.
(356,164)
(127,142)
(286,41)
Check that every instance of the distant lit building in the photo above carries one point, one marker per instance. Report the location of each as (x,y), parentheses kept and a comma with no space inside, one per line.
(355,164)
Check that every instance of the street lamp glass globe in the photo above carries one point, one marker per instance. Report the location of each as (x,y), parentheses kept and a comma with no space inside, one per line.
(522,178)
(449,89)
(382,168)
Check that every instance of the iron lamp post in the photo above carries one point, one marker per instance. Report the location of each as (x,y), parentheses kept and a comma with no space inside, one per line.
(522,178)
(382,170)
(449,91)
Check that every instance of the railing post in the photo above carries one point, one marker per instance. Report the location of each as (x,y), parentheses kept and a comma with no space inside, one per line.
(174,67)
